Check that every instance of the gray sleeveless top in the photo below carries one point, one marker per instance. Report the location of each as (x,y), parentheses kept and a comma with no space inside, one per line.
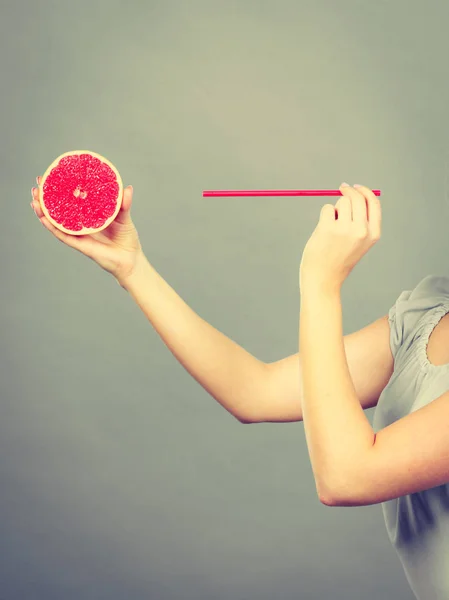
(417,524)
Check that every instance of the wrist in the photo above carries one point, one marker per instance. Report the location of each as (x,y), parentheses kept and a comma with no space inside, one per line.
(311,283)
(140,265)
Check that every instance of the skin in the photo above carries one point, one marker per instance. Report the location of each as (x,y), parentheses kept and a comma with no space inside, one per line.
(116,249)
(352,467)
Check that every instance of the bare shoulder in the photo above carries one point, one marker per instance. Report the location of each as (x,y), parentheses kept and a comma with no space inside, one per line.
(370,363)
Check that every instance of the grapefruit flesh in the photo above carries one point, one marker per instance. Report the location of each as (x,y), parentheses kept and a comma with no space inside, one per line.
(81,192)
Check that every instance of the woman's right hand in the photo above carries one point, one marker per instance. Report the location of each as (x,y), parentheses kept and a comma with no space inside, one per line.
(116,249)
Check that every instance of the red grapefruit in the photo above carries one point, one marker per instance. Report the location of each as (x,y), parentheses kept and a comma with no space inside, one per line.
(81,192)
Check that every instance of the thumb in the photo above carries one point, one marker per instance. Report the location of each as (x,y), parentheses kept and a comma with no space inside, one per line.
(124,214)
(327,213)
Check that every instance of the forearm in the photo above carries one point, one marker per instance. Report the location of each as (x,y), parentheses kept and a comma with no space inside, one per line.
(224,369)
(337,430)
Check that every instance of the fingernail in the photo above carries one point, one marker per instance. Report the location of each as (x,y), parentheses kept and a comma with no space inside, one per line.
(344,184)
(357,185)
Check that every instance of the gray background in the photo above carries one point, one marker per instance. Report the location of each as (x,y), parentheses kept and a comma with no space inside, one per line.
(120,477)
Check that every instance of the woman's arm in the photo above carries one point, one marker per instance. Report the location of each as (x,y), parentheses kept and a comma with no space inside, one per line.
(230,374)
(339,435)
(249,389)
(370,364)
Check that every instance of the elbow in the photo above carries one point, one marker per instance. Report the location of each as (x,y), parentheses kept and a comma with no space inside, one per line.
(243,419)
(326,497)
(343,496)
(328,500)
(246,417)
(327,494)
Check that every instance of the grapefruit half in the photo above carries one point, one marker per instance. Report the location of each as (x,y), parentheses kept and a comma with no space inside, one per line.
(81,192)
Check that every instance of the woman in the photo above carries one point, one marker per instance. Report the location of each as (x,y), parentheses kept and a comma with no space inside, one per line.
(387,364)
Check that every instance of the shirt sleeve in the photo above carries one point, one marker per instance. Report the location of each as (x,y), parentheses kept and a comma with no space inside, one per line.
(410,312)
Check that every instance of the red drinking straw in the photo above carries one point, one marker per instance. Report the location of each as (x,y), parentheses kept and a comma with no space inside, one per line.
(219,193)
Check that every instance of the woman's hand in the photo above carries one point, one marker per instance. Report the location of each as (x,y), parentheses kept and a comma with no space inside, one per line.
(345,233)
(116,249)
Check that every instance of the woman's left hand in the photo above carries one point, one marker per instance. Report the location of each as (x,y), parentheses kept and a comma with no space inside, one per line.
(345,233)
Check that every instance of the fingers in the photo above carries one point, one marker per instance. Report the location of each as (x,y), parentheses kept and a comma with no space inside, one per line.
(81,243)
(35,202)
(358,201)
(127,198)
(374,210)
(344,208)
(366,191)
(366,207)
(124,215)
